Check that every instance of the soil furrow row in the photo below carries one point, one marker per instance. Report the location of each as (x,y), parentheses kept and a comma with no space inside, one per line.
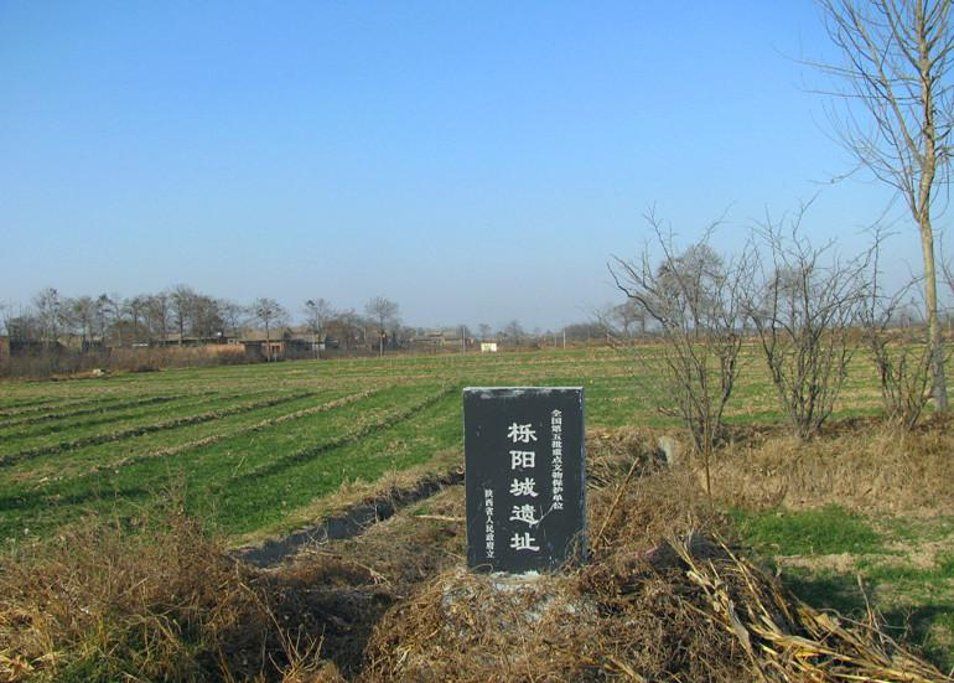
(353,436)
(29,454)
(107,408)
(350,522)
(215,438)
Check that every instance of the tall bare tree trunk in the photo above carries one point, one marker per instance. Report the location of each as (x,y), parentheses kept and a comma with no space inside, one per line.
(935,335)
(929,171)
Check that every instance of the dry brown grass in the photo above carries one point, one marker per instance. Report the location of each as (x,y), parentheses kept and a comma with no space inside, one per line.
(863,465)
(578,626)
(167,603)
(644,608)
(656,503)
(72,364)
(464,627)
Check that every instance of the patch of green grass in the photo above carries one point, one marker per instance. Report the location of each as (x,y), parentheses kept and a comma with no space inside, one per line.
(936,623)
(46,433)
(36,474)
(899,573)
(945,565)
(826,531)
(212,468)
(917,529)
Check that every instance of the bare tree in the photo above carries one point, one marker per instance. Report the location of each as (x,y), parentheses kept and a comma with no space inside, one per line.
(384,313)
(205,317)
(49,311)
(605,324)
(803,307)
(233,316)
(180,301)
(23,326)
(157,316)
(349,328)
(83,313)
(136,309)
(106,312)
(514,332)
(319,312)
(626,315)
(696,298)
(485,331)
(895,80)
(269,312)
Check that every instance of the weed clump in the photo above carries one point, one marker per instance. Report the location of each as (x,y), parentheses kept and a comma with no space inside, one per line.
(166,602)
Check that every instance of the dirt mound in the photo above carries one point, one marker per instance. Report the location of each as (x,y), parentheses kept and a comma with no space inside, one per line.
(687,610)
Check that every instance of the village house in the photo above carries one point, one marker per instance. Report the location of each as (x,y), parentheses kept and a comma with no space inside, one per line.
(280,344)
(448,339)
(174,339)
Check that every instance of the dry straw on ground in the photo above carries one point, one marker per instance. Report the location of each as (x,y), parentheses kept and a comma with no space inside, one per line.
(689,610)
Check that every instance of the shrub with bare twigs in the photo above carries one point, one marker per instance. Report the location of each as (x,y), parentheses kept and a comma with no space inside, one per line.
(804,305)
(695,297)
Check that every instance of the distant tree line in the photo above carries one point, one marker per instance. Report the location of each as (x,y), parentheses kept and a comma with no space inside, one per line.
(95,321)
(181,315)
(81,332)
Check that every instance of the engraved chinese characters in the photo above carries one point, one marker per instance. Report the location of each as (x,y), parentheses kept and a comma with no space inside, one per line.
(525,477)
(523,460)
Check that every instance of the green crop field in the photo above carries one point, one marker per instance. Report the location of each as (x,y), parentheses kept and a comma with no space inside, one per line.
(252,448)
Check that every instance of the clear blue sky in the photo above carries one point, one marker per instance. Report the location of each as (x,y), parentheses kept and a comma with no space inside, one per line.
(475,162)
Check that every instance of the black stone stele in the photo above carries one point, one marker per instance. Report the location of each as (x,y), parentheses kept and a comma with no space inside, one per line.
(525,478)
